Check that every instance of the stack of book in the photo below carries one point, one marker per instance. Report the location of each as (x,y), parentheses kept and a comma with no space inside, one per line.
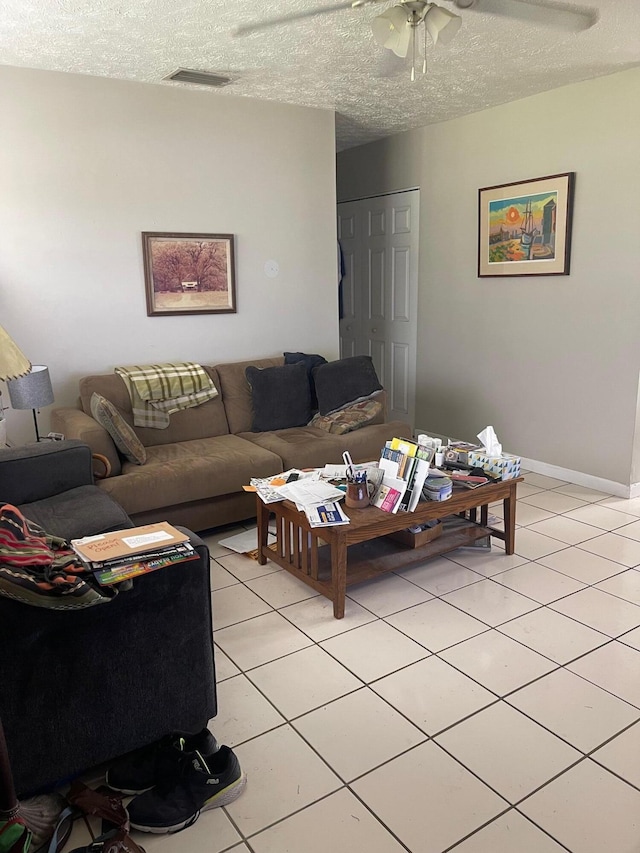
(124,554)
(405,466)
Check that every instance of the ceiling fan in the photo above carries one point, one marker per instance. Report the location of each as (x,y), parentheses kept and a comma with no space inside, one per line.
(397,27)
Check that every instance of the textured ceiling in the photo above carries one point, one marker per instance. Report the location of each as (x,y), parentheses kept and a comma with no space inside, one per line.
(329,61)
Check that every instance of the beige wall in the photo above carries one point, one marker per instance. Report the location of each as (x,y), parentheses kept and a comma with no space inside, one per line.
(551,362)
(87,164)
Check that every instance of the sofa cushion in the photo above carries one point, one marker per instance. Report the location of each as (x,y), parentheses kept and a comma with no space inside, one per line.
(83,511)
(349,418)
(122,434)
(310,447)
(190,471)
(309,361)
(208,419)
(344,381)
(236,391)
(280,396)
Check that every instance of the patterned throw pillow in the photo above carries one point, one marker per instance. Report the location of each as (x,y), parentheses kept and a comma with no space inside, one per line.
(348,419)
(342,382)
(122,434)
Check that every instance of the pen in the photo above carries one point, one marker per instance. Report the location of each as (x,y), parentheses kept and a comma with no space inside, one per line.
(350,472)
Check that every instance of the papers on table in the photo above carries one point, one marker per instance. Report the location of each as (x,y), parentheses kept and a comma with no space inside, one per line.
(325,515)
(306,493)
(312,495)
(268,488)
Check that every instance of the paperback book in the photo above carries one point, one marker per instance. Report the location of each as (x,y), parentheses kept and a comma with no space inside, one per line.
(389,494)
(112,574)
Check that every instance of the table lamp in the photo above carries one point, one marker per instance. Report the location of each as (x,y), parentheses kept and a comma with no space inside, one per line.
(13,363)
(32,391)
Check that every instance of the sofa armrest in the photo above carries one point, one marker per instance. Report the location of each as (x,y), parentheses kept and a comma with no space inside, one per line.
(74,423)
(37,471)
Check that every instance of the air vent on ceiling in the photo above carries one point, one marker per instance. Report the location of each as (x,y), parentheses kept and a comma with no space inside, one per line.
(202,78)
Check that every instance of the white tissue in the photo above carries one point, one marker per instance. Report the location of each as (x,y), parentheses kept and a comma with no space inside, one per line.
(489,440)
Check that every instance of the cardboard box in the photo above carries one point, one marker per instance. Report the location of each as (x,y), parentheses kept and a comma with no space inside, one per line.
(506,466)
(416,540)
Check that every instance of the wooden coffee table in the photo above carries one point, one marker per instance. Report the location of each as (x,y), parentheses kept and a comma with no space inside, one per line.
(360,550)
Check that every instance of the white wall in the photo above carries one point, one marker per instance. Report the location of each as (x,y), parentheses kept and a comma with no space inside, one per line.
(87,164)
(551,362)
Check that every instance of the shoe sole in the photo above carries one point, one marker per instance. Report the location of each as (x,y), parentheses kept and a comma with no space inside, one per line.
(222,798)
(130,792)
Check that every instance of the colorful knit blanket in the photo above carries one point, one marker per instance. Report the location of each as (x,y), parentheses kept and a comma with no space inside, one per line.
(159,390)
(40,569)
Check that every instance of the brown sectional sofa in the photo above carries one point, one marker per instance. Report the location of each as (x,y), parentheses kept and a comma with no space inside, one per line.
(196,467)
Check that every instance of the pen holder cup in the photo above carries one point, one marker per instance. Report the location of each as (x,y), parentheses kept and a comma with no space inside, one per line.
(357,495)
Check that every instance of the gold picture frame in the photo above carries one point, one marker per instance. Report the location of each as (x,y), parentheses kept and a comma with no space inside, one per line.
(189,273)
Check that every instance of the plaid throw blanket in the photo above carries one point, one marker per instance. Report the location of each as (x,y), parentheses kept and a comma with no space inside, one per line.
(158,390)
(40,569)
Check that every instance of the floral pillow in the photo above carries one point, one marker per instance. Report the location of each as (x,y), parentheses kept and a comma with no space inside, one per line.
(349,418)
(122,434)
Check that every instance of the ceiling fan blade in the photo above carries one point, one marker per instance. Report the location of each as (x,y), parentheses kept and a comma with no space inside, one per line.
(247,29)
(559,15)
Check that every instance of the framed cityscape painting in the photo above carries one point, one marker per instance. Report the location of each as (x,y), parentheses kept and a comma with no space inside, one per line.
(525,227)
(189,273)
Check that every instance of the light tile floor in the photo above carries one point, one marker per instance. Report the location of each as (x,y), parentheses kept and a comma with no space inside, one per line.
(478,703)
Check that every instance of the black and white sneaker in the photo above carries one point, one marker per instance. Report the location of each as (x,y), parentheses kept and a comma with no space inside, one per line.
(140,770)
(198,782)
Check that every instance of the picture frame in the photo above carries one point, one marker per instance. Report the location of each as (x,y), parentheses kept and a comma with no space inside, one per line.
(524,227)
(189,273)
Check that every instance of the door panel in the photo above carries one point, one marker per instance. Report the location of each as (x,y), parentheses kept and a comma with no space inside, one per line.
(400,360)
(375,290)
(379,239)
(401,284)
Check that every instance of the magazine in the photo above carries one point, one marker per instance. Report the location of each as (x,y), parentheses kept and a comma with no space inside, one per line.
(326,515)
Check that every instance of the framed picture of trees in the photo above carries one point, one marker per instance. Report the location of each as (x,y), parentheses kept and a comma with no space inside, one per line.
(189,273)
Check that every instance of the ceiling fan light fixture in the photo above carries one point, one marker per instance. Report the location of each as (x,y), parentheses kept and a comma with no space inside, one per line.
(392,30)
(387,26)
(441,24)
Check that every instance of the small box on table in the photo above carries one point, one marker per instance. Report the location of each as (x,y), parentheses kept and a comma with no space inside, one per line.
(507,467)
(416,540)
(457,452)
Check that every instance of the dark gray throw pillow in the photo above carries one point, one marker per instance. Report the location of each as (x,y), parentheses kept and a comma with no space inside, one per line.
(344,381)
(309,361)
(280,396)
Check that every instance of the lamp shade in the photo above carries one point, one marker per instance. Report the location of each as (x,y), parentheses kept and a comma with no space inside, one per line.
(392,30)
(32,390)
(441,24)
(13,362)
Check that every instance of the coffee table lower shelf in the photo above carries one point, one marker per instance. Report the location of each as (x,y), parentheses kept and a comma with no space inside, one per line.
(331,559)
(378,556)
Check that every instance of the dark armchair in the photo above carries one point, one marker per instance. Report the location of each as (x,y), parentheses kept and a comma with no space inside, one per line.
(80,687)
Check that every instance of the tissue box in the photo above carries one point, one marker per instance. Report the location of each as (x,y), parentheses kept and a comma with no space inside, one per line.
(506,466)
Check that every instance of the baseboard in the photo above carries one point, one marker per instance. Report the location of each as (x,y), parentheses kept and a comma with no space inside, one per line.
(599,484)
(577,477)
